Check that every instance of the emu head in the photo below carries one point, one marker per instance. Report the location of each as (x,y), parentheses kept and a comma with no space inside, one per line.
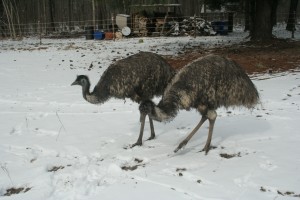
(147,107)
(81,80)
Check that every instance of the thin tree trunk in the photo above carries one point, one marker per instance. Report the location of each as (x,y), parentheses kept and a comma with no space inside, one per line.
(274,12)
(18,20)
(292,16)
(2,28)
(94,14)
(51,13)
(9,16)
(70,14)
(45,17)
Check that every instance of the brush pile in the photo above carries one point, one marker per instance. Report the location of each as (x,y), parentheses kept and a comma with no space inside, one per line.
(191,26)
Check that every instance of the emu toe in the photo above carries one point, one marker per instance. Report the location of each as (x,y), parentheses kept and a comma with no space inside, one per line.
(136,144)
(151,137)
(207,149)
(181,145)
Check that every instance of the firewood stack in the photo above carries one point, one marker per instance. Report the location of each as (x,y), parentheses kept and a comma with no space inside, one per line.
(140,25)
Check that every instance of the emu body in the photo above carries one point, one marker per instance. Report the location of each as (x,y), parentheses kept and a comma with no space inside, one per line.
(205,85)
(138,77)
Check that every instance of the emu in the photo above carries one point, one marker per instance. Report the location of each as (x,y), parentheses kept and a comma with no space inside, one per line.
(138,77)
(205,84)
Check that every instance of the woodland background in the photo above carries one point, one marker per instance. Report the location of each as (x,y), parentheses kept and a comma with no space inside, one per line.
(19,17)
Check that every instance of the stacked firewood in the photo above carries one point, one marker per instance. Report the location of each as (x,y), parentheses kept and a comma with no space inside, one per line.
(140,25)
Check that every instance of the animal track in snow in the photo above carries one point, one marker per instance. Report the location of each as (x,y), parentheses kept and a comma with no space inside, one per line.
(45,132)
(17,130)
(267,165)
(136,163)
(294,91)
(36,116)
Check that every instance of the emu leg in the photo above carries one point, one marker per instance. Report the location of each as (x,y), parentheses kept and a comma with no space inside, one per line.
(152,129)
(139,142)
(212,115)
(185,141)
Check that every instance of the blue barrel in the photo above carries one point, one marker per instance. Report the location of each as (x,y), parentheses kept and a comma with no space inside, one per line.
(221,27)
(99,35)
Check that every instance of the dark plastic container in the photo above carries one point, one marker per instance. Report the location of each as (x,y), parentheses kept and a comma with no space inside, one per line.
(89,33)
(221,27)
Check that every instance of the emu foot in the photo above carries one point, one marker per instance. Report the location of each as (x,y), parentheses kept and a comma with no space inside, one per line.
(151,137)
(136,144)
(181,145)
(206,149)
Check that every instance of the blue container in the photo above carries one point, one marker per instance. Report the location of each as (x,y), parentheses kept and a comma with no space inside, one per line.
(98,35)
(221,27)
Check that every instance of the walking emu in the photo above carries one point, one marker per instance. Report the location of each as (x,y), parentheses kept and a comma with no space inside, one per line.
(205,84)
(139,77)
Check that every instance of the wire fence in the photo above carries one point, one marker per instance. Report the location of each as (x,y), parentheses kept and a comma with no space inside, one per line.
(209,24)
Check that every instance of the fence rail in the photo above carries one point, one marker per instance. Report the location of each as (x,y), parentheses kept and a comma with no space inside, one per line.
(78,28)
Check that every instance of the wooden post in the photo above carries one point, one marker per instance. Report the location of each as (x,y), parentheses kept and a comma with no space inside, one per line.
(230,22)
(195,26)
(94,15)
(204,4)
(113,25)
(40,31)
(163,27)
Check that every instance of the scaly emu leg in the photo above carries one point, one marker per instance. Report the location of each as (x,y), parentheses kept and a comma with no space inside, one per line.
(185,141)
(211,115)
(151,128)
(139,142)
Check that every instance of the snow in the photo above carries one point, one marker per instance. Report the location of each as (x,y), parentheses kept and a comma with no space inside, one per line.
(61,147)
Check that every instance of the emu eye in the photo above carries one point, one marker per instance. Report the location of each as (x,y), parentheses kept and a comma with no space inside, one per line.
(82,81)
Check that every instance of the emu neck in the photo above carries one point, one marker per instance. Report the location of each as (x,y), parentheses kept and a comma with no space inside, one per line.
(165,111)
(91,98)
(95,97)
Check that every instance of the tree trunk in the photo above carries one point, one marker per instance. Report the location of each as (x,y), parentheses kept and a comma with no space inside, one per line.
(247,15)
(2,27)
(262,29)
(8,7)
(51,13)
(292,16)
(70,18)
(274,12)
(94,14)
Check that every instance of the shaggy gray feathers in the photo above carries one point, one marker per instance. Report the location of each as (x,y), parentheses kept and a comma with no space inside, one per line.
(138,77)
(212,81)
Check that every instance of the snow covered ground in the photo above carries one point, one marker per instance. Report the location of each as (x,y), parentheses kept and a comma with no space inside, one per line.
(54,145)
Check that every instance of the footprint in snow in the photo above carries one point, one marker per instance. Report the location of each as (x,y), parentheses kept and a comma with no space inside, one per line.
(133,165)
(268,165)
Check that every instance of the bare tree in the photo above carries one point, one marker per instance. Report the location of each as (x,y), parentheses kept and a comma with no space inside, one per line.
(292,16)
(51,13)
(9,12)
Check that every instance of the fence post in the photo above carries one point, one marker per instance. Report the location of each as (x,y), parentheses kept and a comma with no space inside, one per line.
(195,24)
(294,25)
(230,22)
(113,25)
(40,32)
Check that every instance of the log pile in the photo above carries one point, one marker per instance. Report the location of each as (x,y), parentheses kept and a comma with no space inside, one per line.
(195,26)
(139,25)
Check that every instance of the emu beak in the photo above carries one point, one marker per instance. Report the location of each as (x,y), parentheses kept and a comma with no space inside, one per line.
(75,83)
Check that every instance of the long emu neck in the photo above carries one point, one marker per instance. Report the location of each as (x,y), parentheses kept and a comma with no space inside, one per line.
(165,111)
(96,97)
